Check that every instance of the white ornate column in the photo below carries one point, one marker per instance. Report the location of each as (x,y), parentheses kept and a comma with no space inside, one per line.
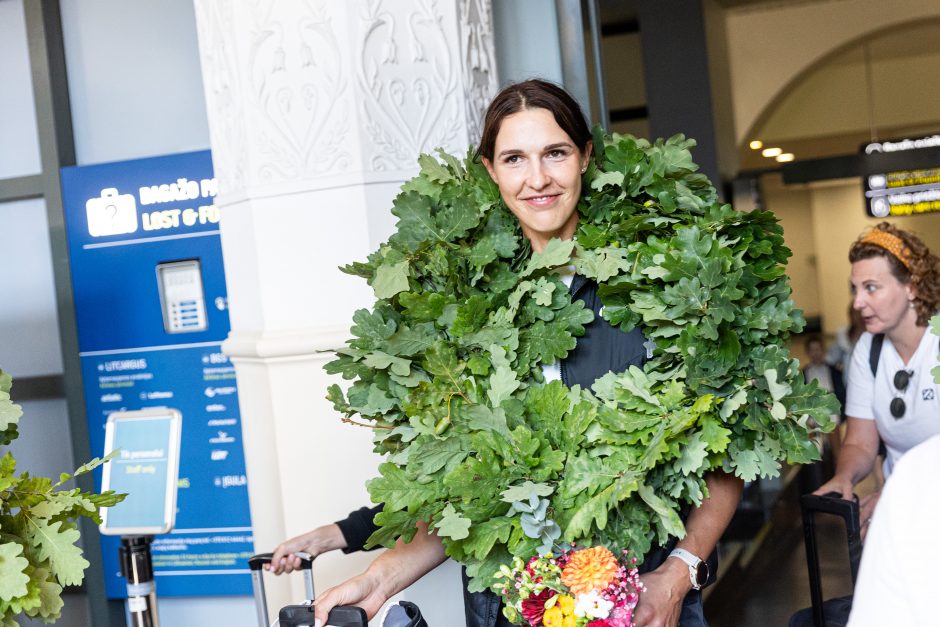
(318,111)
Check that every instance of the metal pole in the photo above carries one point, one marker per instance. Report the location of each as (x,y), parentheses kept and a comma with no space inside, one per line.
(137,567)
(603,111)
(573,57)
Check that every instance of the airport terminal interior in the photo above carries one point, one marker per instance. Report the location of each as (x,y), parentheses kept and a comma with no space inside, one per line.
(181,180)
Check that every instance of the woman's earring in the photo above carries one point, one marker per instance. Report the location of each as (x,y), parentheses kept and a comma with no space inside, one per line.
(584,169)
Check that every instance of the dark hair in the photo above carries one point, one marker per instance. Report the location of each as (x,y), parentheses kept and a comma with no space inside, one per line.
(922,271)
(534,94)
(813,339)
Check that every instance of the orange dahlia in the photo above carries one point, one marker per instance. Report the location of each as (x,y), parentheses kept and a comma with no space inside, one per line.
(590,569)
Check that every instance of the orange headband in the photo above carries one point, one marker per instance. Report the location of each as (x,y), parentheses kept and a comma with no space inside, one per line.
(890,243)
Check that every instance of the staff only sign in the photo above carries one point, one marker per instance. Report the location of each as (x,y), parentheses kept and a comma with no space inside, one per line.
(151,308)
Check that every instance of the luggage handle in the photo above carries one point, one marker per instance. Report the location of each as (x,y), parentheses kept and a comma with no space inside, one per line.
(829,503)
(340,616)
(256,564)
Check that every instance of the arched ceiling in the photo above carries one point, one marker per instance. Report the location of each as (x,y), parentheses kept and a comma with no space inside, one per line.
(882,86)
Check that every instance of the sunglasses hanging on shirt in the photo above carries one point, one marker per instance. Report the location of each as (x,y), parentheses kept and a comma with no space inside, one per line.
(902,379)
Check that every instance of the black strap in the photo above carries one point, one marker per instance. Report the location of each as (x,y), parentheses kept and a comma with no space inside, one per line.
(876,341)
(875,353)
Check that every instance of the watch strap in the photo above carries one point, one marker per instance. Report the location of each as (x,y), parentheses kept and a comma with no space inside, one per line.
(692,561)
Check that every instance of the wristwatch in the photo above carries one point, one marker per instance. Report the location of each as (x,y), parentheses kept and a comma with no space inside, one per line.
(698,568)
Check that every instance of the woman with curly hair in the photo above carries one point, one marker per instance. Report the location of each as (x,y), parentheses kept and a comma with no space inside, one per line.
(891,394)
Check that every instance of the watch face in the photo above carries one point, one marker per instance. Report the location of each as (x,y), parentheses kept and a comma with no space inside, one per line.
(701,573)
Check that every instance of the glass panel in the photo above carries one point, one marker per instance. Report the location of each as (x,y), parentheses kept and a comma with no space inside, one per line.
(29,328)
(134,78)
(19,139)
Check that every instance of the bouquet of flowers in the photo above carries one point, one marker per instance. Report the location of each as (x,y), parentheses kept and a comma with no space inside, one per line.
(578,588)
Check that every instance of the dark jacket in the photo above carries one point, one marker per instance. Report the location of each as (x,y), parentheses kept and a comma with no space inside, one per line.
(602,349)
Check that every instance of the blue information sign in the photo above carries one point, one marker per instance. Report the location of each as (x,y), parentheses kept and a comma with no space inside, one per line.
(151,307)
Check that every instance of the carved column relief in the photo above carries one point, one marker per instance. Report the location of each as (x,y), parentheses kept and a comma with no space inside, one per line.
(221,76)
(298,88)
(479,65)
(409,82)
(277,87)
(290,94)
(318,110)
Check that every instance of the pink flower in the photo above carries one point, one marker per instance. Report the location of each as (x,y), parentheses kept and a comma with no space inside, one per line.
(530,567)
(620,616)
(534,607)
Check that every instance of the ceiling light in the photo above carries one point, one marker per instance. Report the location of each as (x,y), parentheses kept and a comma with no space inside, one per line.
(771,152)
(785,157)
(756,144)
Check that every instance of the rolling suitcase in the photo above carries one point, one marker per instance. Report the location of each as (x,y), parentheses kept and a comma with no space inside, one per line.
(834,612)
(298,615)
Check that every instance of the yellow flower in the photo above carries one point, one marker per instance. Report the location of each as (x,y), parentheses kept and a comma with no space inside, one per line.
(566,603)
(590,569)
(553,617)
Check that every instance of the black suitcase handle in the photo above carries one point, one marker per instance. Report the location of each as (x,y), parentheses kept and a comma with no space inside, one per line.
(340,616)
(256,565)
(257,562)
(830,503)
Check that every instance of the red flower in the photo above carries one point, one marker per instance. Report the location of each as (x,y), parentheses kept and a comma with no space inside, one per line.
(534,607)
(530,566)
(600,622)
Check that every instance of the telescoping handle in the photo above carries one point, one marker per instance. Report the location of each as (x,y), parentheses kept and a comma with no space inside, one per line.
(256,564)
(831,503)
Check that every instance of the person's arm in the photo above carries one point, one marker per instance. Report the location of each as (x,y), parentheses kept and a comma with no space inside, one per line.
(661,604)
(389,574)
(315,542)
(358,526)
(856,457)
(349,534)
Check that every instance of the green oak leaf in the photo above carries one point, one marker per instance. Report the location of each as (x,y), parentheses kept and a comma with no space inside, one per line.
(452,525)
(526,491)
(556,253)
(58,546)
(777,389)
(390,279)
(396,490)
(13,579)
(503,382)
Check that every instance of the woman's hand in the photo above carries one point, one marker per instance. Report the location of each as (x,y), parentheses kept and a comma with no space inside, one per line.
(389,574)
(856,457)
(840,484)
(316,542)
(660,604)
(365,591)
(866,509)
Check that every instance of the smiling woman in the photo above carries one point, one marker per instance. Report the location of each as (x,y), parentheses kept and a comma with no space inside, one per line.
(535,146)
(538,170)
(497,274)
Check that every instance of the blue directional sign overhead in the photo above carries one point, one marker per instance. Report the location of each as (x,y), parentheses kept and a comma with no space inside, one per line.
(151,308)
